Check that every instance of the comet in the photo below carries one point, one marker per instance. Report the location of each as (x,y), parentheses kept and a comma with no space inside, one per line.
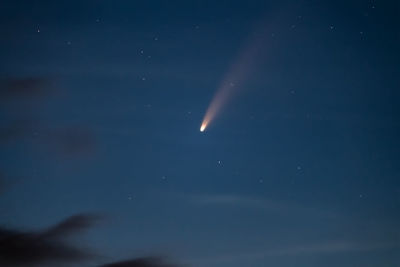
(203,127)
(235,76)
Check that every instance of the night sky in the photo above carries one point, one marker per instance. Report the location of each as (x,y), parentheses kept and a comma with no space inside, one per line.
(102,159)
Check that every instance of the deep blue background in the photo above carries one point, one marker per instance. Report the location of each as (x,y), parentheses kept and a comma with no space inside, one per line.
(300,169)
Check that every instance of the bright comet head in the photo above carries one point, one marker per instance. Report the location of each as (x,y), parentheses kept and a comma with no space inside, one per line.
(203,127)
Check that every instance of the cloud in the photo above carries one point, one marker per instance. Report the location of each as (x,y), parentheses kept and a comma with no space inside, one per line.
(72,225)
(15,130)
(27,87)
(66,140)
(72,140)
(7,181)
(226,199)
(20,248)
(259,203)
(140,262)
(322,247)
(39,248)
(69,140)
(2,182)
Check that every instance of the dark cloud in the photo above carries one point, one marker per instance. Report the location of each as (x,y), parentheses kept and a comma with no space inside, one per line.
(7,181)
(15,130)
(140,262)
(38,248)
(67,140)
(2,182)
(24,87)
(19,248)
(71,225)
(72,140)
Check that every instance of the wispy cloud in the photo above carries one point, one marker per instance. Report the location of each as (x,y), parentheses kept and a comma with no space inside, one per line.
(66,140)
(226,199)
(259,203)
(71,140)
(25,87)
(320,246)
(323,247)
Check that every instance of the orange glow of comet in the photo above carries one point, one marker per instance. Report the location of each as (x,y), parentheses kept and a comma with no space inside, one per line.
(235,76)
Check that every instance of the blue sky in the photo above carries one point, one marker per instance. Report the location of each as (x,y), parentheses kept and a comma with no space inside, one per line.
(101,108)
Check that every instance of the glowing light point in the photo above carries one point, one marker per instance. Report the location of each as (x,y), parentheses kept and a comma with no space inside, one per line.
(203,127)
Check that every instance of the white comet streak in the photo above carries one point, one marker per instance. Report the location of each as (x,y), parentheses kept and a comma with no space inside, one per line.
(234,77)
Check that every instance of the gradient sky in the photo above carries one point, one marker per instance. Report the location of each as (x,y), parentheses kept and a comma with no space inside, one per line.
(300,168)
